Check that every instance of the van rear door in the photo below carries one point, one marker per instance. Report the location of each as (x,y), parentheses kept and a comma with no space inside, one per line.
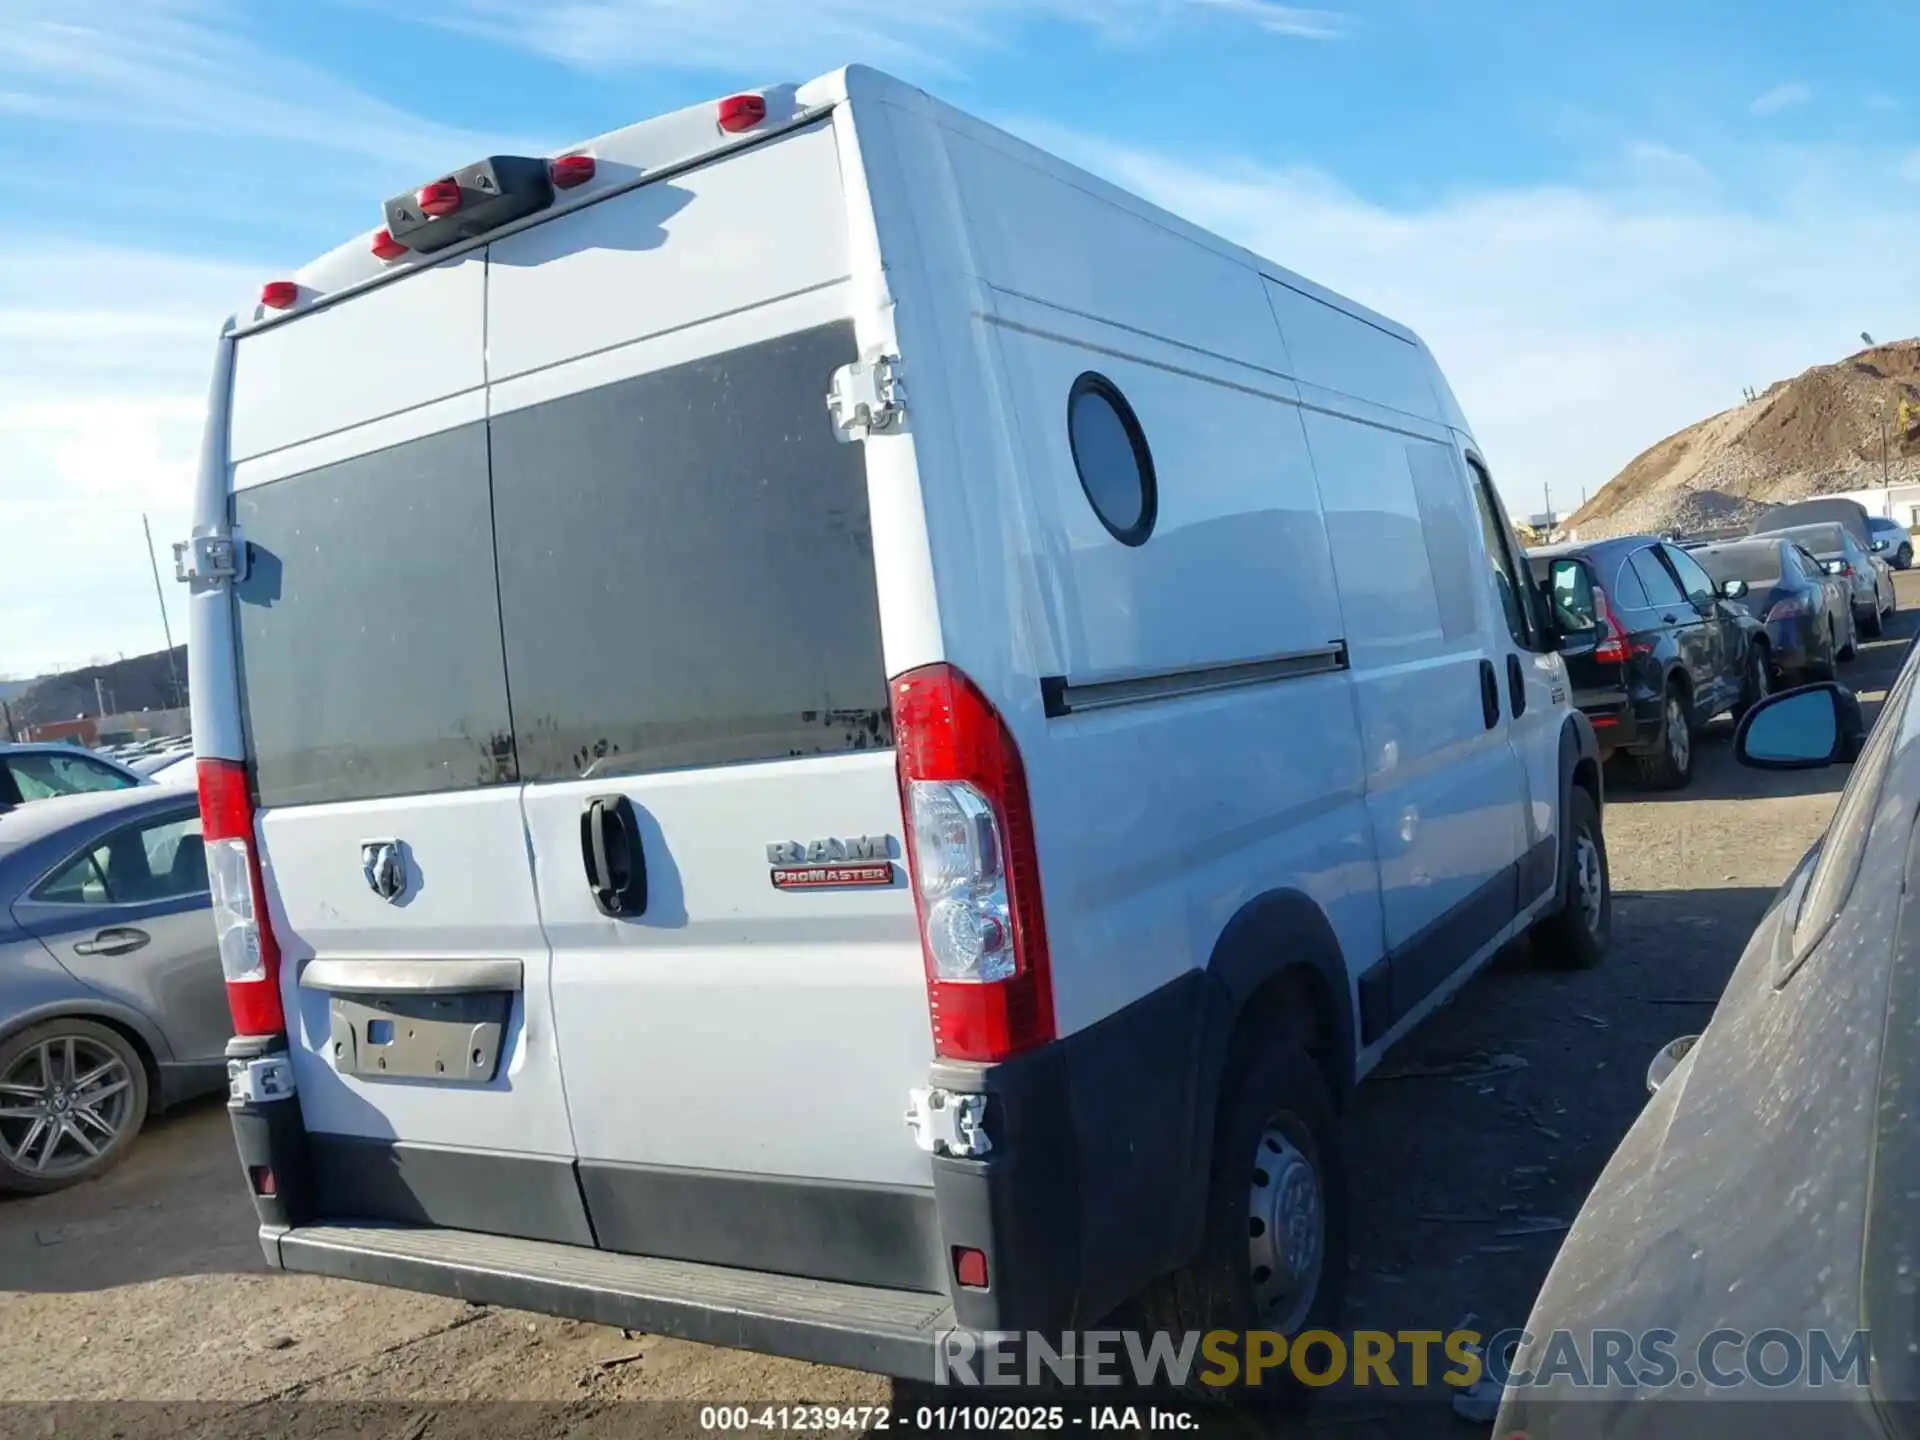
(693,647)
(374,700)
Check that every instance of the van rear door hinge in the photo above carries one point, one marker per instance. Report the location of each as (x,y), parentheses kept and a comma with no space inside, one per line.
(212,557)
(867,397)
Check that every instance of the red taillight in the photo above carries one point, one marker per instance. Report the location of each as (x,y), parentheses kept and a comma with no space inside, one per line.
(385,247)
(249,955)
(975,869)
(279,294)
(1846,569)
(1612,649)
(742,112)
(1605,722)
(970,1267)
(263,1181)
(442,197)
(570,170)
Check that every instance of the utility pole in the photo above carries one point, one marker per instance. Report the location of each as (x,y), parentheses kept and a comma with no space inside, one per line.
(1883,447)
(166,626)
(99,696)
(1548,487)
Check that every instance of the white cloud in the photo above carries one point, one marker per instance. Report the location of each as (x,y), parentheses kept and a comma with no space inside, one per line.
(1782,97)
(1580,324)
(104,360)
(778,38)
(187,65)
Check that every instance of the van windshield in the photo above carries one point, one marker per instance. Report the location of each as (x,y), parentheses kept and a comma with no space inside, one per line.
(672,570)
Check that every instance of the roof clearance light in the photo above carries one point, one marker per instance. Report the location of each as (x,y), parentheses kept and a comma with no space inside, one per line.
(385,247)
(742,112)
(442,197)
(279,294)
(570,170)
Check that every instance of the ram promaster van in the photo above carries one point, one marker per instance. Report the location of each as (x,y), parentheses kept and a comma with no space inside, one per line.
(817,730)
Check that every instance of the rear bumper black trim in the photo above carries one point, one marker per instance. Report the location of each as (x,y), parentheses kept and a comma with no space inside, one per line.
(493,1192)
(1062,697)
(890,1332)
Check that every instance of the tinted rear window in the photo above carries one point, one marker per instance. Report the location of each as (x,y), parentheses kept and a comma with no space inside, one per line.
(1757,565)
(686,568)
(370,626)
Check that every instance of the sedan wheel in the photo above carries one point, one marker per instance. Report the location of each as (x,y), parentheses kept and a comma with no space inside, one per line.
(73,1094)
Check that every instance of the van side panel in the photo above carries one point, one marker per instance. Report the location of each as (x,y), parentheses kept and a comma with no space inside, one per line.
(1156,822)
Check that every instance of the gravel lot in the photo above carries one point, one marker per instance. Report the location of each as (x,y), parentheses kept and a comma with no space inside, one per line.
(1481,1135)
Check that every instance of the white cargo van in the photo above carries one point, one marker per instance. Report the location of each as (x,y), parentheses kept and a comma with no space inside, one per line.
(815,726)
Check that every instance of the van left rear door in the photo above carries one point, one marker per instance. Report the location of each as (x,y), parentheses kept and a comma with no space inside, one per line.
(373,682)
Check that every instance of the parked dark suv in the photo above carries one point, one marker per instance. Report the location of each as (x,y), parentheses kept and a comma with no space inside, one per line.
(1671,654)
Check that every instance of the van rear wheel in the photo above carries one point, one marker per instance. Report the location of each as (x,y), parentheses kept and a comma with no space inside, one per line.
(1274,1255)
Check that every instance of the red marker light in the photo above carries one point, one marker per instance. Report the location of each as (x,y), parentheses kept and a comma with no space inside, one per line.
(279,294)
(570,170)
(442,197)
(385,247)
(742,112)
(970,1267)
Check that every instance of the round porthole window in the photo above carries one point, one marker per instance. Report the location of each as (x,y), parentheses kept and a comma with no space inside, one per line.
(1110,453)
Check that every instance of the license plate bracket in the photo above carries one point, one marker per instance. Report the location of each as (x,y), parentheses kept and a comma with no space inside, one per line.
(452,1037)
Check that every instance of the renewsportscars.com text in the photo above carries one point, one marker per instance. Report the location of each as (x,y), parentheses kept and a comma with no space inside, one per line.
(1413,1359)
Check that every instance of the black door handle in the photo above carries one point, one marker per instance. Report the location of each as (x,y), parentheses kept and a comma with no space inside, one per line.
(1671,619)
(615,859)
(114,940)
(1516,685)
(1489,694)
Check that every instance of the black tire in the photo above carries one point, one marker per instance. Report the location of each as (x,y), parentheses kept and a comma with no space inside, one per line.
(1852,647)
(1873,625)
(1575,937)
(1277,1093)
(1823,668)
(51,1056)
(1759,679)
(1903,557)
(1670,766)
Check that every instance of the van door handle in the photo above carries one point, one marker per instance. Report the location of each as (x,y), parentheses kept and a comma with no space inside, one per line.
(1516,685)
(114,940)
(1671,619)
(1489,694)
(615,859)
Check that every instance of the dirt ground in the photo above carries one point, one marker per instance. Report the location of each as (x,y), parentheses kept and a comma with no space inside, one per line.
(1470,1150)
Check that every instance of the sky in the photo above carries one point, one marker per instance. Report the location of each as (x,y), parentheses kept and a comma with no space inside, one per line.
(1605,220)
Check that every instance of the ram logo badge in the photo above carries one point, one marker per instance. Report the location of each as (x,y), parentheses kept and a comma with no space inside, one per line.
(831,863)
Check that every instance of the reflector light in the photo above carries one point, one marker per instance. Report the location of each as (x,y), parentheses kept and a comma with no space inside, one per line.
(570,170)
(442,197)
(385,247)
(742,112)
(970,1267)
(263,1181)
(279,294)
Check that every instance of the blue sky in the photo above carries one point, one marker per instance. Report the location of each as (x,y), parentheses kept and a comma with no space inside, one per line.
(1606,220)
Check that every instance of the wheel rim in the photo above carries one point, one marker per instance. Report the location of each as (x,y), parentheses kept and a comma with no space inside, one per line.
(1679,743)
(1590,880)
(1286,1243)
(63,1104)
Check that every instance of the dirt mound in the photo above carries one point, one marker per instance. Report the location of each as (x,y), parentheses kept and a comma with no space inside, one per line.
(1815,434)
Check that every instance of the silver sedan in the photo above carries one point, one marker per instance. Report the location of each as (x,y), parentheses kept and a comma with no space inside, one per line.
(112,1003)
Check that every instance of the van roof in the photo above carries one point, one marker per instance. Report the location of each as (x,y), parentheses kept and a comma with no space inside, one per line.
(656,147)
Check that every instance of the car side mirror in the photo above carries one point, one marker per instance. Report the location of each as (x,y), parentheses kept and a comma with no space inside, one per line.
(1733,589)
(1802,729)
(1668,1060)
(1835,567)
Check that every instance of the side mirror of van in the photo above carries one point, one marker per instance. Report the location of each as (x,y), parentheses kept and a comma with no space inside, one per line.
(1733,589)
(1575,643)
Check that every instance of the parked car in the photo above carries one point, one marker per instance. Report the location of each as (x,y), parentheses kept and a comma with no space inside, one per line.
(112,1003)
(1672,654)
(40,771)
(1896,539)
(154,761)
(965,911)
(1849,515)
(1768,1187)
(1870,578)
(174,769)
(1804,609)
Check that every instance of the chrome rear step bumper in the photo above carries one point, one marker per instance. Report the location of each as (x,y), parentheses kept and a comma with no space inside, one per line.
(893,1332)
